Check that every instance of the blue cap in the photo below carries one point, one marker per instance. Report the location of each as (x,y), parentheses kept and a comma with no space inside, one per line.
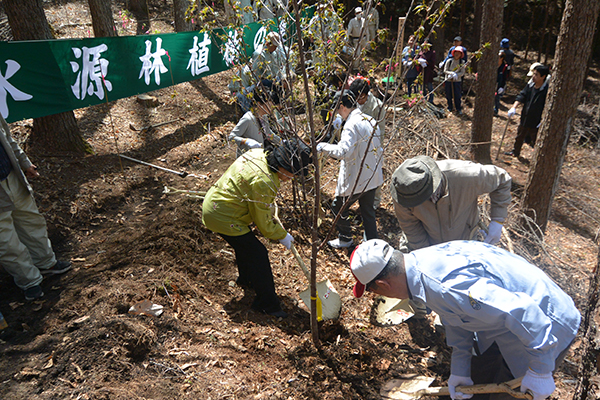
(504,43)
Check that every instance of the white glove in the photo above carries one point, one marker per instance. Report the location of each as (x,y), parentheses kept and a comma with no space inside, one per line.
(287,241)
(541,385)
(494,232)
(252,144)
(453,75)
(511,112)
(441,65)
(456,380)
(423,62)
(500,90)
(337,122)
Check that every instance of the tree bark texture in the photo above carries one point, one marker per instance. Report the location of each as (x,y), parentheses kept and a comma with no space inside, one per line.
(139,8)
(57,132)
(179,9)
(590,348)
(483,113)
(574,43)
(27,19)
(102,18)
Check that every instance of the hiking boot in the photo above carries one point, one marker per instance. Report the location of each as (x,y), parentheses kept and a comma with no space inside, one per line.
(339,244)
(511,153)
(59,268)
(275,312)
(33,293)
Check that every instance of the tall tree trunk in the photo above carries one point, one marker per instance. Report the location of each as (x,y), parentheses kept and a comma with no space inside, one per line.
(477,30)
(481,129)
(139,8)
(574,43)
(463,13)
(102,18)
(181,23)
(508,28)
(544,31)
(530,31)
(57,132)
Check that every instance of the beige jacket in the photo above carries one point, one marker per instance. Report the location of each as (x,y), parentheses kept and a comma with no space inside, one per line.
(456,215)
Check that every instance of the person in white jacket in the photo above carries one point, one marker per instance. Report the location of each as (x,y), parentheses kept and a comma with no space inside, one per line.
(361,155)
(504,317)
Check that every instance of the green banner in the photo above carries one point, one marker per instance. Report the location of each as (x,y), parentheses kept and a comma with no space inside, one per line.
(39,78)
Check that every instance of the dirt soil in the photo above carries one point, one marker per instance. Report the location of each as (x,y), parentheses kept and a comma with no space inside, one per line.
(130,241)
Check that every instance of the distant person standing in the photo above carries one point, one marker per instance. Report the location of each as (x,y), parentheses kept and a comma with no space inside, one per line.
(533,99)
(373,23)
(358,35)
(509,55)
(427,63)
(454,69)
(409,54)
(501,78)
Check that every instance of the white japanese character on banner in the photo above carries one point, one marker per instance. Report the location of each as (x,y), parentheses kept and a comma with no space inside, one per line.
(93,70)
(199,56)
(5,87)
(259,38)
(232,48)
(156,65)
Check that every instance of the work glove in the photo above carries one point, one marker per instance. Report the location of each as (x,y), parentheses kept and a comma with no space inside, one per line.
(453,75)
(494,232)
(511,112)
(500,90)
(541,385)
(337,122)
(287,241)
(456,380)
(324,147)
(441,65)
(423,62)
(252,144)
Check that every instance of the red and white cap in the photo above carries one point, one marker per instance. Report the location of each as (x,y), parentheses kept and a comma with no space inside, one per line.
(367,261)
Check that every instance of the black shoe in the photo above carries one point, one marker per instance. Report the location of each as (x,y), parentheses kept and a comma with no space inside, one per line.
(59,268)
(33,293)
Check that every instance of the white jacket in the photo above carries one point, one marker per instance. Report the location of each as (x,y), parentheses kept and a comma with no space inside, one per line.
(351,149)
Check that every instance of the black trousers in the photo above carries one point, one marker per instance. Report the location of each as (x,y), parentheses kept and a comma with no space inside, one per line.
(524,135)
(366,201)
(490,367)
(254,268)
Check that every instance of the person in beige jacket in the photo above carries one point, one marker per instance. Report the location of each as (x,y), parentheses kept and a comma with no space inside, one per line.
(436,202)
(25,250)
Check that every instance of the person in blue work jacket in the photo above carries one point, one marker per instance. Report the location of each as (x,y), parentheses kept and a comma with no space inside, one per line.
(504,317)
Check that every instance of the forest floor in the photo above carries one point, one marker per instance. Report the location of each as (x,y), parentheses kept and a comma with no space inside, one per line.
(130,241)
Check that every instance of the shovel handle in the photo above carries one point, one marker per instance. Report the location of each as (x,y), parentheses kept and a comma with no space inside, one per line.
(307,274)
(506,387)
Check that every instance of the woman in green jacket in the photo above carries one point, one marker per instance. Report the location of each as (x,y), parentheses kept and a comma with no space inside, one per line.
(245,194)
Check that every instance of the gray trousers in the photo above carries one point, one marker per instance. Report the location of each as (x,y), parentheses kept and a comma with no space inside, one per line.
(24,244)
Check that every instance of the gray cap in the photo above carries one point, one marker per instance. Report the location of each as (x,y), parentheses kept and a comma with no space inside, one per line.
(415,180)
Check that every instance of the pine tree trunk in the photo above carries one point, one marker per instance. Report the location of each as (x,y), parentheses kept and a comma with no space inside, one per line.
(483,114)
(574,43)
(463,13)
(179,9)
(544,31)
(102,18)
(57,132)
(530,31)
